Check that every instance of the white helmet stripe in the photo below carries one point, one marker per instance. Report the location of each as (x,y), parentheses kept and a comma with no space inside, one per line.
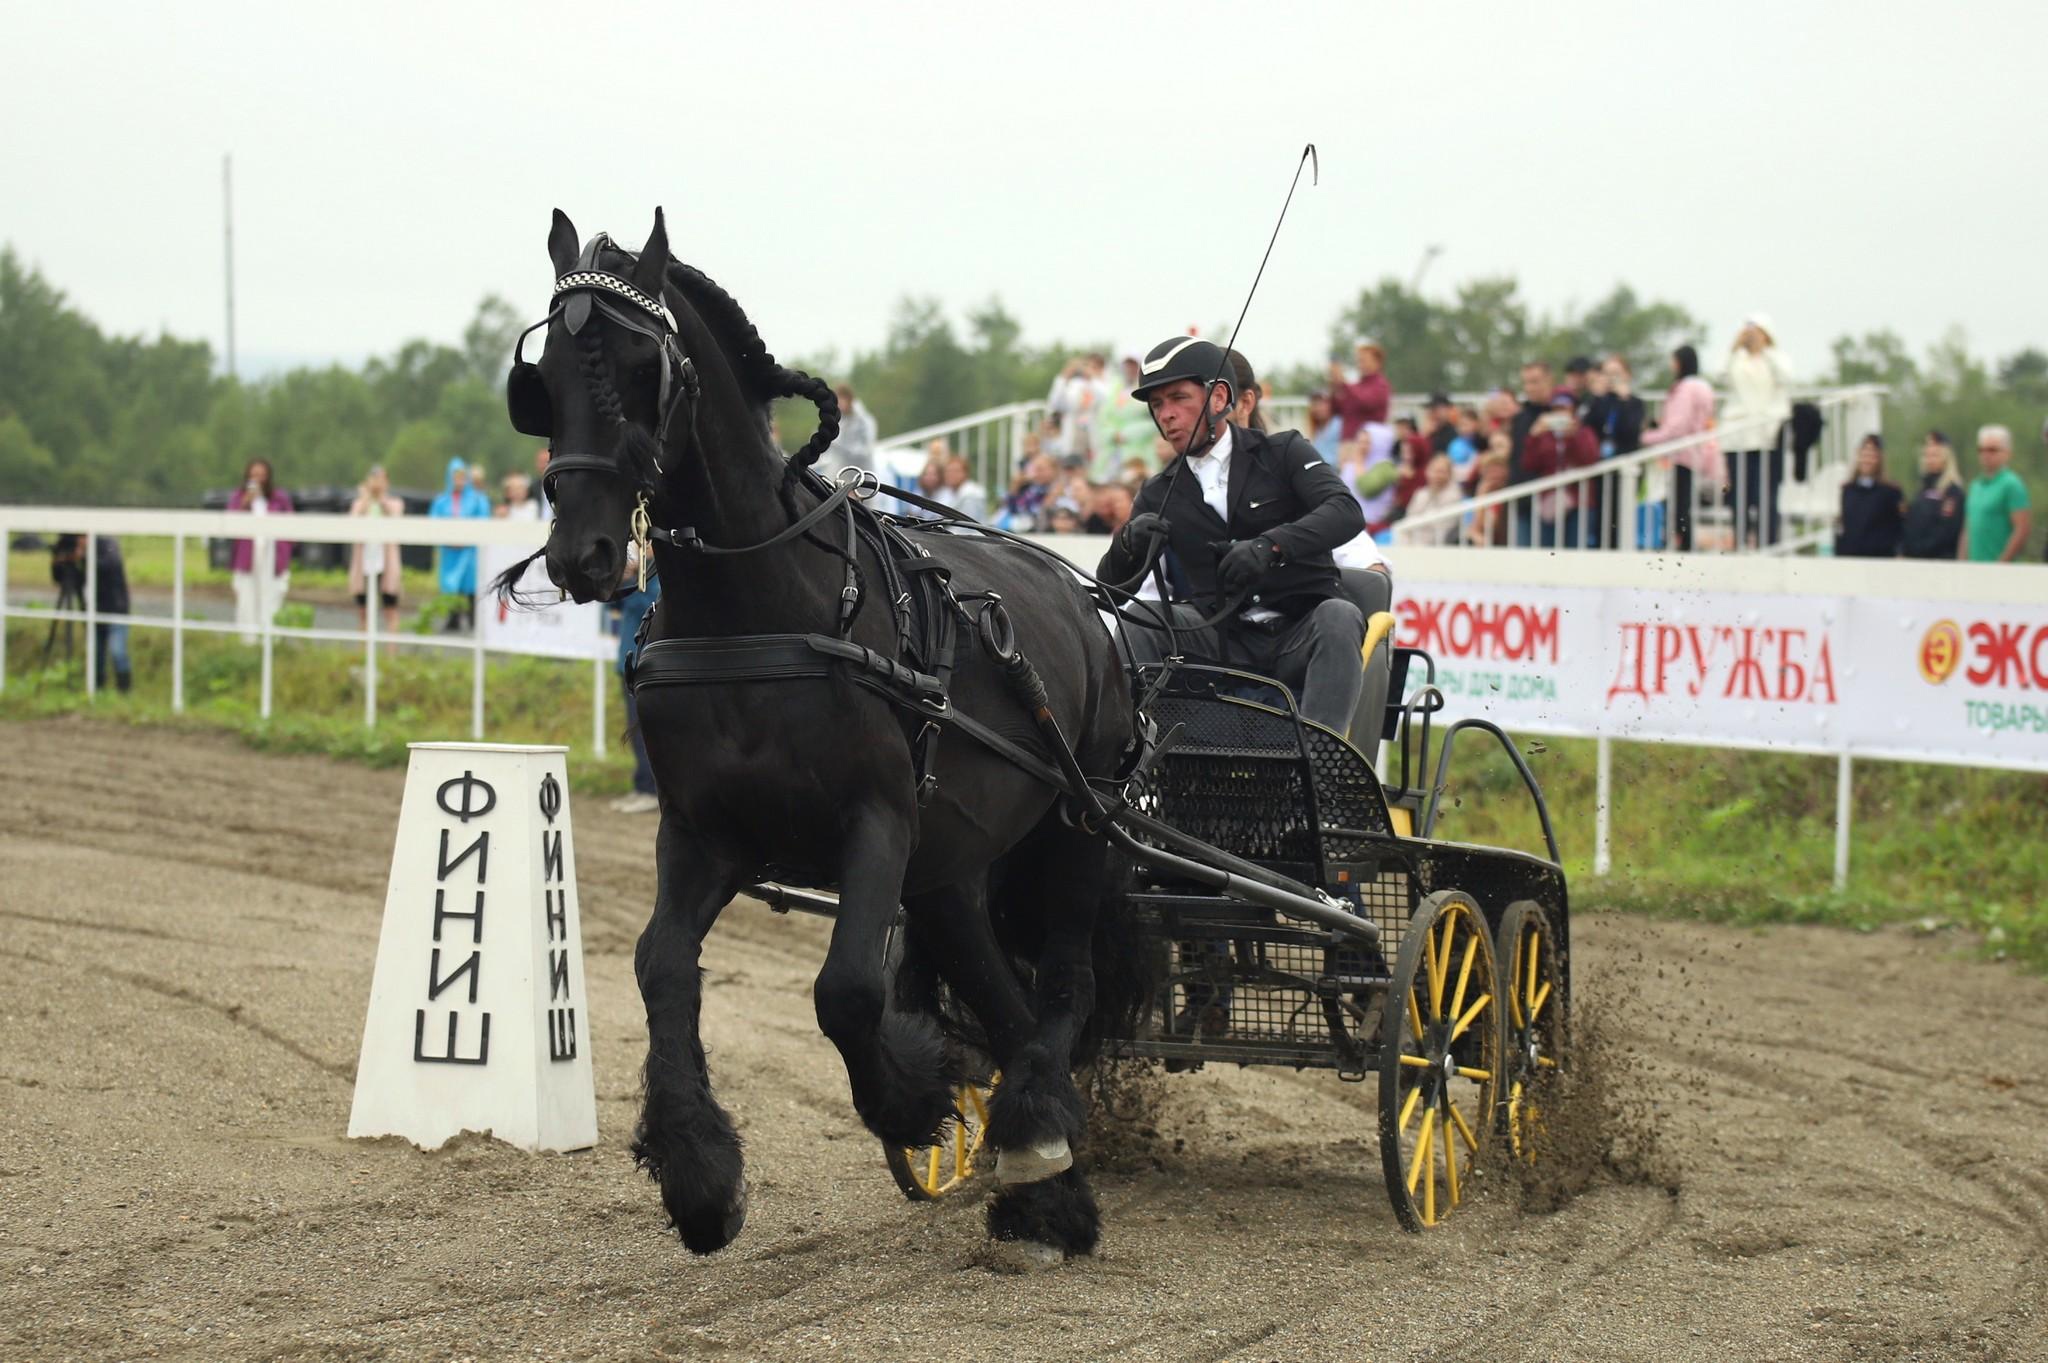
(1153,366)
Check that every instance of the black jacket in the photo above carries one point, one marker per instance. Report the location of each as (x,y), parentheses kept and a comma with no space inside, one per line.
(1280,488)
(1526,417)
(1872,518)
(1618,420)
(1934,521)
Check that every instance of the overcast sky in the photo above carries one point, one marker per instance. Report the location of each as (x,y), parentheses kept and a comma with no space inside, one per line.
(1109,172)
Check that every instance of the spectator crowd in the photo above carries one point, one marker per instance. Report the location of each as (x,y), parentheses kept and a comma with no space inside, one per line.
(1741,438)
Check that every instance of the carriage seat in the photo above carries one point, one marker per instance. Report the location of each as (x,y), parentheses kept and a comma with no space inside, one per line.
(1373,594)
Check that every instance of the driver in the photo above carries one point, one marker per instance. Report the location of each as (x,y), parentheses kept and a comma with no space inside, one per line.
(1249,525)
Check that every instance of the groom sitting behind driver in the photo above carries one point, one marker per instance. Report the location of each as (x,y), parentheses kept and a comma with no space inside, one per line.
(1249,524)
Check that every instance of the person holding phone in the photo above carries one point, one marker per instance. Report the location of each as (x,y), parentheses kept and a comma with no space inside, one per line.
(375,568)
(260,584)
(1363,400)
(1558,442)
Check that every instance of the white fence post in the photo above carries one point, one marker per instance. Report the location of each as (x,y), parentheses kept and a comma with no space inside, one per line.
(476,677)
(1603,804)
(1843,805)
(177,624)
(264,564)
(6,546)
(373,602)
(92,614)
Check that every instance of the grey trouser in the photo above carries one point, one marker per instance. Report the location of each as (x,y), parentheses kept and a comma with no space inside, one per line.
(1316,656)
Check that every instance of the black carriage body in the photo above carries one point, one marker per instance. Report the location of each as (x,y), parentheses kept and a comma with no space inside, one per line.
(1243,984)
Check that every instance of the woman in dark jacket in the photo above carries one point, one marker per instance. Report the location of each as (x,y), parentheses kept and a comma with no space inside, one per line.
(1616,417)
(1873,510)
(1934,519)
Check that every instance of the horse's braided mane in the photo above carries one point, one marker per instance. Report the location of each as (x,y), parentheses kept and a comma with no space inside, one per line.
(757,365)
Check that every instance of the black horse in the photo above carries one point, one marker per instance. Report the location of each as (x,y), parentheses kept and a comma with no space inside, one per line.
(662,401)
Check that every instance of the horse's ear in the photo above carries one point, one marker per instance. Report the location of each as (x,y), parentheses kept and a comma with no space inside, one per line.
(562,244)
(652,268)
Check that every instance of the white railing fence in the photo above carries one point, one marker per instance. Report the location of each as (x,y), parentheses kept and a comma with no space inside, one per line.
(1631,502)
(180,527)
(992,441)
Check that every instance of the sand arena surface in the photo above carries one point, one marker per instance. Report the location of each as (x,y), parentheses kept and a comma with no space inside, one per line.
(1853,1125)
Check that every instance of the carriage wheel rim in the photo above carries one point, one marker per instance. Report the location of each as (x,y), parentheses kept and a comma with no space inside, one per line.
(932,1171)
(1535,1026)
(1441,1060)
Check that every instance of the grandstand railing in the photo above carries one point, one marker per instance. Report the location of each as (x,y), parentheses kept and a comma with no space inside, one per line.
(992,439)
(989,439)
(1627,502)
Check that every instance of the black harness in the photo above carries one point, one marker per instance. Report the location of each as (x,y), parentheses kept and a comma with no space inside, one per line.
(928,614)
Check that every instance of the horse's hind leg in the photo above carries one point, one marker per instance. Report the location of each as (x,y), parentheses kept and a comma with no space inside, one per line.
(897,1062)
(1036,1117)
(685,1140)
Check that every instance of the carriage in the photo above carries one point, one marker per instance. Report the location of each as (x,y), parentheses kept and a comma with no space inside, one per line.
(1348,939)
(1275,902)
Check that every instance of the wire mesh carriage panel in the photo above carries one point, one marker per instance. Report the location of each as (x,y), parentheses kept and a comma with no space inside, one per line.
(1239,982)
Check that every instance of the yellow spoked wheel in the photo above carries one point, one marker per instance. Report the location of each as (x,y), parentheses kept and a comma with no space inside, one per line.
(1440,1052)
(1534,1018)
(930,1172)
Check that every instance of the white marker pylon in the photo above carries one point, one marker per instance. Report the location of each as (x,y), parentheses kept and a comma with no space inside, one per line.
(478,1019)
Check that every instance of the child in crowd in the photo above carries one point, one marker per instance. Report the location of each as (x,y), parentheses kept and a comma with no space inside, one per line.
(1489,525)
(1439,492)
(1464,446)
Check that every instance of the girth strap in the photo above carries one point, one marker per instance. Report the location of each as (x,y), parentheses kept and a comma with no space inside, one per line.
(785,657)
(790,657)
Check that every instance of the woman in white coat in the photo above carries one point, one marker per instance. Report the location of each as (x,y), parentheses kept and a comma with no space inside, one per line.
(1759,403)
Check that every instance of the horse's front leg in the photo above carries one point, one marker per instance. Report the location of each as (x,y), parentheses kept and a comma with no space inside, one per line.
(898,1064)
(685,1140)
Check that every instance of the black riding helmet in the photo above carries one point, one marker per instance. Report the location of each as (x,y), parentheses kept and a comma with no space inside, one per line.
(1184,357)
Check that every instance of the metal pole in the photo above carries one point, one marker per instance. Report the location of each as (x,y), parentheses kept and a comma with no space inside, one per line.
(1603,805)
(598,682)
(227,212)
(1842,811)
(92,615)
(177,624)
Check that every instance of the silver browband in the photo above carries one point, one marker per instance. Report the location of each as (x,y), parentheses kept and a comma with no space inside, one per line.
(611,283)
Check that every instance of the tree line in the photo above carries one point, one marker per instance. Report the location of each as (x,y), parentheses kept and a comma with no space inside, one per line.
(90,418)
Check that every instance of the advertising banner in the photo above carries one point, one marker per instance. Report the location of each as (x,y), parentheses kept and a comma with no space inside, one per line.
(1878,676)
(558,630)
(1518,656)
(1955,680)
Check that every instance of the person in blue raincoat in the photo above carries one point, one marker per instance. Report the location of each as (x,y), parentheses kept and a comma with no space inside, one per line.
(633,606)
(458,563)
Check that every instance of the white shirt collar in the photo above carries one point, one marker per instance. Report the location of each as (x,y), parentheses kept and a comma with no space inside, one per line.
(1212,471)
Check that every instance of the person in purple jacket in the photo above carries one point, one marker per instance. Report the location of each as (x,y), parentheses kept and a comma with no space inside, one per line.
(259,586)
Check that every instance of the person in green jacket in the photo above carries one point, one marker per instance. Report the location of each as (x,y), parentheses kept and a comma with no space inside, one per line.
(1996,520)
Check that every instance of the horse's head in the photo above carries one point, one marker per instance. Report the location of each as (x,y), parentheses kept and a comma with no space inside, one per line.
(611,378)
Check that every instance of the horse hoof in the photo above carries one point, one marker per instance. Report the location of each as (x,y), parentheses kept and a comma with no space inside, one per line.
(1034,1163)
(1022,1256)
(711,1231)
(1057,1213)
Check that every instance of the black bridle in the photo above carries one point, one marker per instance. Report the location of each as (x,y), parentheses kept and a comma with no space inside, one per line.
(577,294)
